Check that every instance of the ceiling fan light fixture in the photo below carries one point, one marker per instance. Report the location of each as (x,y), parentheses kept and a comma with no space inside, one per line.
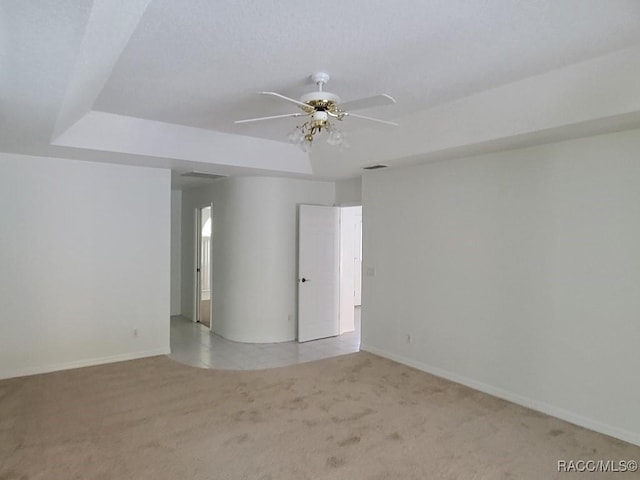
(295,136)
(303,135)
(305,144)
(336,136)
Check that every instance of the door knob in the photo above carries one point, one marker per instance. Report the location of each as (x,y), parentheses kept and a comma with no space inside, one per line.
(305,280)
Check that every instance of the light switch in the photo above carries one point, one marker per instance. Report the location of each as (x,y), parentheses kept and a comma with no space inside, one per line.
(371,272)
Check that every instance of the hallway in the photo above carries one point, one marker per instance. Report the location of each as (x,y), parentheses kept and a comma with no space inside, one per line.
(193,344)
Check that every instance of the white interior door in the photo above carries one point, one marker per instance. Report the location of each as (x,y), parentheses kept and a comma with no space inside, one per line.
(318,272)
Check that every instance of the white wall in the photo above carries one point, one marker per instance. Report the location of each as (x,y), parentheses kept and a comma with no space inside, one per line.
(516,273)
(85,261)
(254,253)
(176,251)
(349,192)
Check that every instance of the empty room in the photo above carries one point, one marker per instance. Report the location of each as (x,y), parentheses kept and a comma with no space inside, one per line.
(337,240)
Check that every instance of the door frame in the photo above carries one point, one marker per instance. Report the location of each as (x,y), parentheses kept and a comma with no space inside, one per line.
(197,260)
(348,272)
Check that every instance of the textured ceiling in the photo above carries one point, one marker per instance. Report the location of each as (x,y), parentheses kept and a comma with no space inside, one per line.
(201,66)
(200,63)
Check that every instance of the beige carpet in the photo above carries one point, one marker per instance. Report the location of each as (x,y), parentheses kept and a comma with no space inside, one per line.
(352,417)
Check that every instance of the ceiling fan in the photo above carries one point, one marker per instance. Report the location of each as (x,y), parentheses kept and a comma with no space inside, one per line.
(321,109)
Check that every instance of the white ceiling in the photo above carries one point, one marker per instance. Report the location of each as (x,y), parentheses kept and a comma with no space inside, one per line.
(75,71)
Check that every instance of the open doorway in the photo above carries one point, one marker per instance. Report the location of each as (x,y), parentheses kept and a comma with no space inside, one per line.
(350,269)
(329,272)
(203,281)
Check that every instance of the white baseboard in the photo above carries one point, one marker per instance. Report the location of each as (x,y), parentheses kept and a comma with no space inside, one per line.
(24,371)
(616,432)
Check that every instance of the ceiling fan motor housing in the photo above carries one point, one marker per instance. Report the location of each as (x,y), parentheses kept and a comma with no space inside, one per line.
(320,101)
(319,97)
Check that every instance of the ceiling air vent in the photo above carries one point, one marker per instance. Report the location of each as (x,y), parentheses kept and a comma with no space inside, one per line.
(375,167)
(210,176)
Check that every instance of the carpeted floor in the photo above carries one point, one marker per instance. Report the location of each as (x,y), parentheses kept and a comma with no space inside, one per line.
(352,417)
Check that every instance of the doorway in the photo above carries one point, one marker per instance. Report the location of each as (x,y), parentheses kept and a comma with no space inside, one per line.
(204,273)
(329,271)
(350,269)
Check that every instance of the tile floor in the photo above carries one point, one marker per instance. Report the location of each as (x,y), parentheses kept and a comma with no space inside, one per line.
(194,344)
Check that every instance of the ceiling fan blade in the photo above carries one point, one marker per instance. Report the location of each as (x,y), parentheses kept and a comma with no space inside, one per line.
(386,122)
(259,119)
(304,106)
(368,102)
